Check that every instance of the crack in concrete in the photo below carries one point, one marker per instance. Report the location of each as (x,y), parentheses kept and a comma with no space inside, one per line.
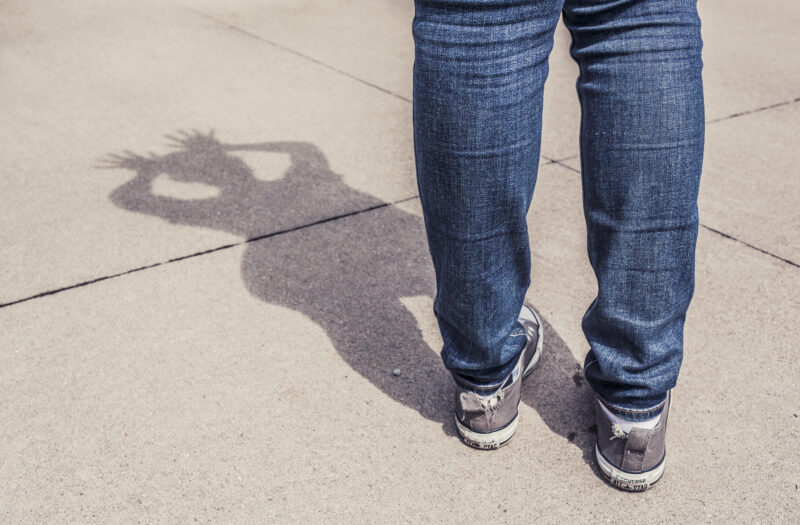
(560,163)
(295,52)
(309,225)
(765,252)
(206,252)
(756,110)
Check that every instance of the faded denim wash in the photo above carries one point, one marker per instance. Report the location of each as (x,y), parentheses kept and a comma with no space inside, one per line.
(479,73)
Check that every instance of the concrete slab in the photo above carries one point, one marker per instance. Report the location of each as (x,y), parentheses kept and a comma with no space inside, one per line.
(747,54)
(241,385)
(748,189)
(85,80)
(369,40)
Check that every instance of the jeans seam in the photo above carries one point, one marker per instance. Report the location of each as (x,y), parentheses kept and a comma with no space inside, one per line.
(637,411)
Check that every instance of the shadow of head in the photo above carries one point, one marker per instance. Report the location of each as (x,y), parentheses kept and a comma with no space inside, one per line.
(299,188)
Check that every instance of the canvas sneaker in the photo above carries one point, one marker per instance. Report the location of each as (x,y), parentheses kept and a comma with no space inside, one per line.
(631,460)
(487,417)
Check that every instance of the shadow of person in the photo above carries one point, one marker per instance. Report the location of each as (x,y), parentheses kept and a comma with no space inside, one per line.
(348,275)
(558,392)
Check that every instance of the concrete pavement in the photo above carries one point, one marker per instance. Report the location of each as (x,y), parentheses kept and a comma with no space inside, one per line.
(203,326)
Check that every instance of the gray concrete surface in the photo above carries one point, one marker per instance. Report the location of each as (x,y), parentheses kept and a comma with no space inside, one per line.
(229,307)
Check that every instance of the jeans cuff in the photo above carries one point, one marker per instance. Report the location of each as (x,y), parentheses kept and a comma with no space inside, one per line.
(634,414)
(475,386)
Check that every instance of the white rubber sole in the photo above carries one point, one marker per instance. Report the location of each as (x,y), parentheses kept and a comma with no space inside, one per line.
(625,480)
(488,440)
(498,438)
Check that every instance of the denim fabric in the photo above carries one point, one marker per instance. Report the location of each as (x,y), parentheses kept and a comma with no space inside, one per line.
(479,73)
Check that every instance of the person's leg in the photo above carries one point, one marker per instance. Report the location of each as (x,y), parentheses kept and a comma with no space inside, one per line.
(479,72)
(642,134)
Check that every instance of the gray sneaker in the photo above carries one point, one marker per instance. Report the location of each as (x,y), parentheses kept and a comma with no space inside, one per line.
(487,418)
(631,460)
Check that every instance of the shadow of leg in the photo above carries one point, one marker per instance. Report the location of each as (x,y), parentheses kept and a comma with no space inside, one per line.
(560,394)
(349,276)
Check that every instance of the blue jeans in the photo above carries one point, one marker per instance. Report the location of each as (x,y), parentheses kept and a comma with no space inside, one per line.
(479,73)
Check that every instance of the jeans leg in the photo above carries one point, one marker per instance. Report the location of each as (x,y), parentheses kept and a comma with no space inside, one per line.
(642,134)
(479,71)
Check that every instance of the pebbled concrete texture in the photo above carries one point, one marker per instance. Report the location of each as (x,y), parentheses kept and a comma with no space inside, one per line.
(275,273)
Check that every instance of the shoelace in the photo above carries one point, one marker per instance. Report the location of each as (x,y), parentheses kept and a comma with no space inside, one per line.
(617,432)
(492,403)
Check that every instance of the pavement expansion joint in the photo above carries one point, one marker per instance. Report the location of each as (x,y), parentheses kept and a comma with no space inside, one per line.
(756,248)
(297,53)
(756,110)
(208,251)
